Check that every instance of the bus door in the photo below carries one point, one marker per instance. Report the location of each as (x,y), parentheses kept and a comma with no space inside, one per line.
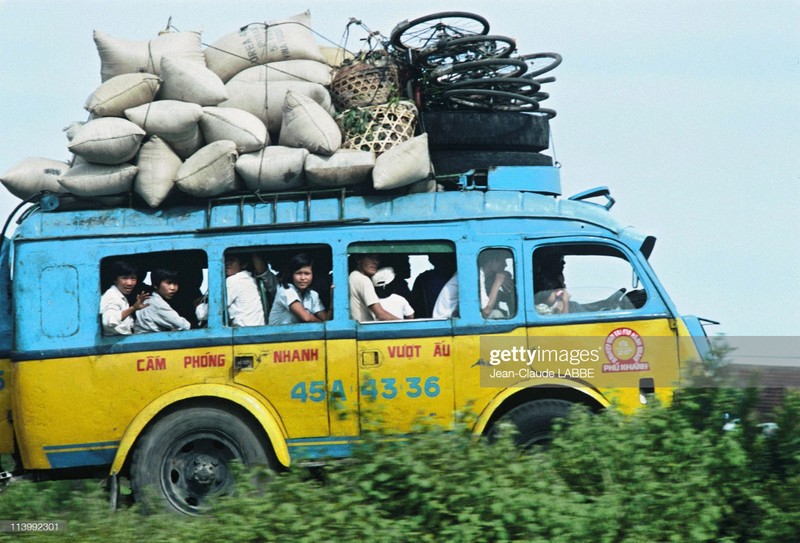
(405,366)
(283,363)
(596,319)
(405,372)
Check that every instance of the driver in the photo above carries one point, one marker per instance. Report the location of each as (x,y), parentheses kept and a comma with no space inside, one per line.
(549,289)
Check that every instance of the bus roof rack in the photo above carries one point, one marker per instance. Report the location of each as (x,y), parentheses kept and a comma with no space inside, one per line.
(544,180)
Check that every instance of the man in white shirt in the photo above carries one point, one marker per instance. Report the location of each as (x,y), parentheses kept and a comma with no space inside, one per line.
(446,305)
(116,313)
(364,302)
(244,300)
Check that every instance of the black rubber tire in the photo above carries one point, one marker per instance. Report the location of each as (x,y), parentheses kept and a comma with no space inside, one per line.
(489,100)
(534,421)
(465,49)
(184,458)
(486,130)
(450,162)
(421,32)
(541,63)
(516,85)
(444,76)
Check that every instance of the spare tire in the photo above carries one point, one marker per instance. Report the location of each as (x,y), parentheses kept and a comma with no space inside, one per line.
(449,162)
(486,130)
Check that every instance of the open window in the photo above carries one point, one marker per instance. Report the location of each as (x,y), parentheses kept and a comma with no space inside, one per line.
(583,278)
(497,290)
(125,277)
(263,282)
(409,279)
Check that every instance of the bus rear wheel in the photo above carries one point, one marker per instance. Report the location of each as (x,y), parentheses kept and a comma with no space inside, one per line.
(534,421)
(184,460)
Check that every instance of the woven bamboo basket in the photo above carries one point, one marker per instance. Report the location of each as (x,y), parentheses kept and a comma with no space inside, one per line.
(365,82)
(377,128)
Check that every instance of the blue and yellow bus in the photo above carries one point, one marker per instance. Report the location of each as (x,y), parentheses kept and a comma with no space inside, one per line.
(171,409)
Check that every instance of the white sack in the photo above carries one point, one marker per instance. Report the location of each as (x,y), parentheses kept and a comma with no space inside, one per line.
(33,175)
(272,168)
(190,82)
(403,164)
(342,168)
(266,101)
(158,165)
(310,71)
(308,125)
(98,179)
(107,140)
(121,92)
(237,125)
(209,172)
(175,121)
(281,39)
(118,56)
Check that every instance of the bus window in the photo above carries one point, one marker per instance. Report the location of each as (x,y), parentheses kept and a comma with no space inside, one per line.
(151,292)
(496,284)
(278,285)
(382,275)
(584,278)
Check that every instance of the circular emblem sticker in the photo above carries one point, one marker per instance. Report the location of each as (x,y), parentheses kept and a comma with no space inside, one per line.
(624,345)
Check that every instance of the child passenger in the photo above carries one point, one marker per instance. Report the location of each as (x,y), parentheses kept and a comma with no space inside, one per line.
(159,316)
(393,303)
(116,313)
(295,300)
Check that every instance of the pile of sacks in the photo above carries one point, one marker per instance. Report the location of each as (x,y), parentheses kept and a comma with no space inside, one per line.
(252,112)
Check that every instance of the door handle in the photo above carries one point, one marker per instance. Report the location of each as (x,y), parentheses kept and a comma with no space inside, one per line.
(243,362)
(370,359)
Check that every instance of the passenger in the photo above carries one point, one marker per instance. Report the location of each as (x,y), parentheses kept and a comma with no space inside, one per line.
(401,266)
(158,315)
(266,280)
(364,302)
(496,285)
(295,300)
(446,305)
(394,303)
(549,288)
(116,313)
(244,301)
(429,284)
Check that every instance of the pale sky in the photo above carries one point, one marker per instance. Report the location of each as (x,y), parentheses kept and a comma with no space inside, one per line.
(688,110)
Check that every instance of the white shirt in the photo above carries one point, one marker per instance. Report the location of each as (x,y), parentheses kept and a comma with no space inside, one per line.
(112,304)
(362,295)
(280,312)
(446,305)
(158,316)
(397,306)
(244,300)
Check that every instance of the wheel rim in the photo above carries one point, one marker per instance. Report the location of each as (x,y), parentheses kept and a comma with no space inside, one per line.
(197,466)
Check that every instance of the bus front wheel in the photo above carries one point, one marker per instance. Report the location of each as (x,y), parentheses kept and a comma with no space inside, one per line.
(184,460)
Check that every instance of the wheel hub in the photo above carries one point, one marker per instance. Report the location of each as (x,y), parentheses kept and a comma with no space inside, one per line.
(204,469)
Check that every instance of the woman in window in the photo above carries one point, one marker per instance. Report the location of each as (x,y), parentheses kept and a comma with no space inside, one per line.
(295,300)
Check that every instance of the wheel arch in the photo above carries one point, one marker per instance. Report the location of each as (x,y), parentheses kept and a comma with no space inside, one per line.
(260,414)
(513,397)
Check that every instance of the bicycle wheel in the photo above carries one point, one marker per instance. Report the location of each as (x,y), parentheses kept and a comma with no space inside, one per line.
(419,33)
(516,85)
(540,63)
(477,69)
(489,99)
(466,49)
